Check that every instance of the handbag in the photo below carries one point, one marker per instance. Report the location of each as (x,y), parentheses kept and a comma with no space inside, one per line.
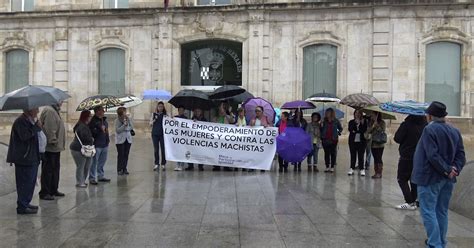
(379,137)
(132,132)
(86,151)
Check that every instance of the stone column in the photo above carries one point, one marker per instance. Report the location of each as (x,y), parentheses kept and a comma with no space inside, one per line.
(61,64)
(381,55)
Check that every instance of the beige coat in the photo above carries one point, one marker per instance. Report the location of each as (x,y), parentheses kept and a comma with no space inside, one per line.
(53,127)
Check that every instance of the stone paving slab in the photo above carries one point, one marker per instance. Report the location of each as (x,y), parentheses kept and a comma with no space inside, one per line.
(223,209)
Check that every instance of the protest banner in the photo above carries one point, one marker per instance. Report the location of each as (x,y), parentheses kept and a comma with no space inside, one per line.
(219,144)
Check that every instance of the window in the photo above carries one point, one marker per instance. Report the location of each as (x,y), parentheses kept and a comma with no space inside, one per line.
(213,2)
(16,69)
(211,63)
(443,75)
(112,71)
(115,4)
(319,69)
(22,5)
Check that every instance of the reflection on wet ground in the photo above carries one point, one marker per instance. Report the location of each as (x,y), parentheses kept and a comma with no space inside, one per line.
(224,209)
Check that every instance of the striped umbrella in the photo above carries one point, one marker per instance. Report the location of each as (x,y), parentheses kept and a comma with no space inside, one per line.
(359,100)
(408,107)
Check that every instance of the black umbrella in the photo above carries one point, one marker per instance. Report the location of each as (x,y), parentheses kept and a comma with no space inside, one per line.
(191,99)
(30,97)
(105,101)
(226,91)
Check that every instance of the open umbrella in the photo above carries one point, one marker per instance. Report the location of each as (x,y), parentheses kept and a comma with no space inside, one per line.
(294,144)
(191,99)
(105,101)
(226,91)
(30,97)
(240,98)
(277,115)
(127,102)
(408,107)
(324,98)
(252,103)
(339,113)
(156,95)
(385,114)
(298,105)
(359,100)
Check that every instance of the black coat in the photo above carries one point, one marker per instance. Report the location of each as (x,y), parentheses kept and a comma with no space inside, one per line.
(84,133)
(353,130)
(408,135)
(101,139)
(24,146)
(157,128)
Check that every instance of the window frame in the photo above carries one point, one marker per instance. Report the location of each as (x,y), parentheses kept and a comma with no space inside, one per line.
(116,2)
(211,3)
(22,6)
(447,34)
(125,53)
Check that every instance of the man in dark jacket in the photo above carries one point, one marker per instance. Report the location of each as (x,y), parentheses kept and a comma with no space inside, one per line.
(100,131)
(439,159)
(53,127)
(24,153)
(408,135)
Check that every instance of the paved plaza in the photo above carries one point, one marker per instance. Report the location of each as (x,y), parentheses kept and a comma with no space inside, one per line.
(223,209)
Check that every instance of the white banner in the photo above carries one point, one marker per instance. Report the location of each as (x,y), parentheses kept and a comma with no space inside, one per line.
(219,144)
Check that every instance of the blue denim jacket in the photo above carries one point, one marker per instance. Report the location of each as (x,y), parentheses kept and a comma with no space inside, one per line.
(440,147)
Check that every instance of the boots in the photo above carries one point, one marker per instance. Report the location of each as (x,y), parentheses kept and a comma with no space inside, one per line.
(378,171)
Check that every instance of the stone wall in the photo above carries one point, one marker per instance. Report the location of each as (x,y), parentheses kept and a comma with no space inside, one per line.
(380,47)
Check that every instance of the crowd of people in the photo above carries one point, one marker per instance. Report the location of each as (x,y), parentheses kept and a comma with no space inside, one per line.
(431,151)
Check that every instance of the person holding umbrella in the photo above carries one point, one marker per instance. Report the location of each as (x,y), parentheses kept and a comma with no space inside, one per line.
(224,117)
(123,139)
(198,115)
(298,120)
(357,142)
(180,165)
(331,128)
(24,153)
(100,132)
(53,127)
(379,138)
(156,122)
(408,135)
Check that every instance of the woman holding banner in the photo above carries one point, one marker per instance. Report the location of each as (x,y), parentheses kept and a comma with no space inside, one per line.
(260,120)
(223,117)
(198,115)
(180,165)
(156,122)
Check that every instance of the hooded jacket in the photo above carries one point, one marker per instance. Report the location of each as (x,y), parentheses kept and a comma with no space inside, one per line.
(408,135)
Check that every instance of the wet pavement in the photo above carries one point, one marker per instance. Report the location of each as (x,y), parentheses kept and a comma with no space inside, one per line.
(224,209)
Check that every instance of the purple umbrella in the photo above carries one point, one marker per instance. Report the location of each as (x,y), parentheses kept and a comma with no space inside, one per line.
(294,144)
(298,105)
(252,103)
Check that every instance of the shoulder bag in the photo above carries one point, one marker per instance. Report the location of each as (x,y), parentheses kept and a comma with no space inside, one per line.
(86,151)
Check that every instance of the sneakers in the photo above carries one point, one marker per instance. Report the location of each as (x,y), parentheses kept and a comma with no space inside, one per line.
(93,182)
(407,206)
(163,168)
(156,167)
(350,172)
(178,168)
(331,170)
(327,170)
(362,173)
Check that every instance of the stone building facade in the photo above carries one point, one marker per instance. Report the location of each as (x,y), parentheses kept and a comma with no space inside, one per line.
(378,47)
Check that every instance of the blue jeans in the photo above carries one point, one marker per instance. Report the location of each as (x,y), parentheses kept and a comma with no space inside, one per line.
(25,184)
(313,156)
(434,203)
(98,162)
(368,154)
